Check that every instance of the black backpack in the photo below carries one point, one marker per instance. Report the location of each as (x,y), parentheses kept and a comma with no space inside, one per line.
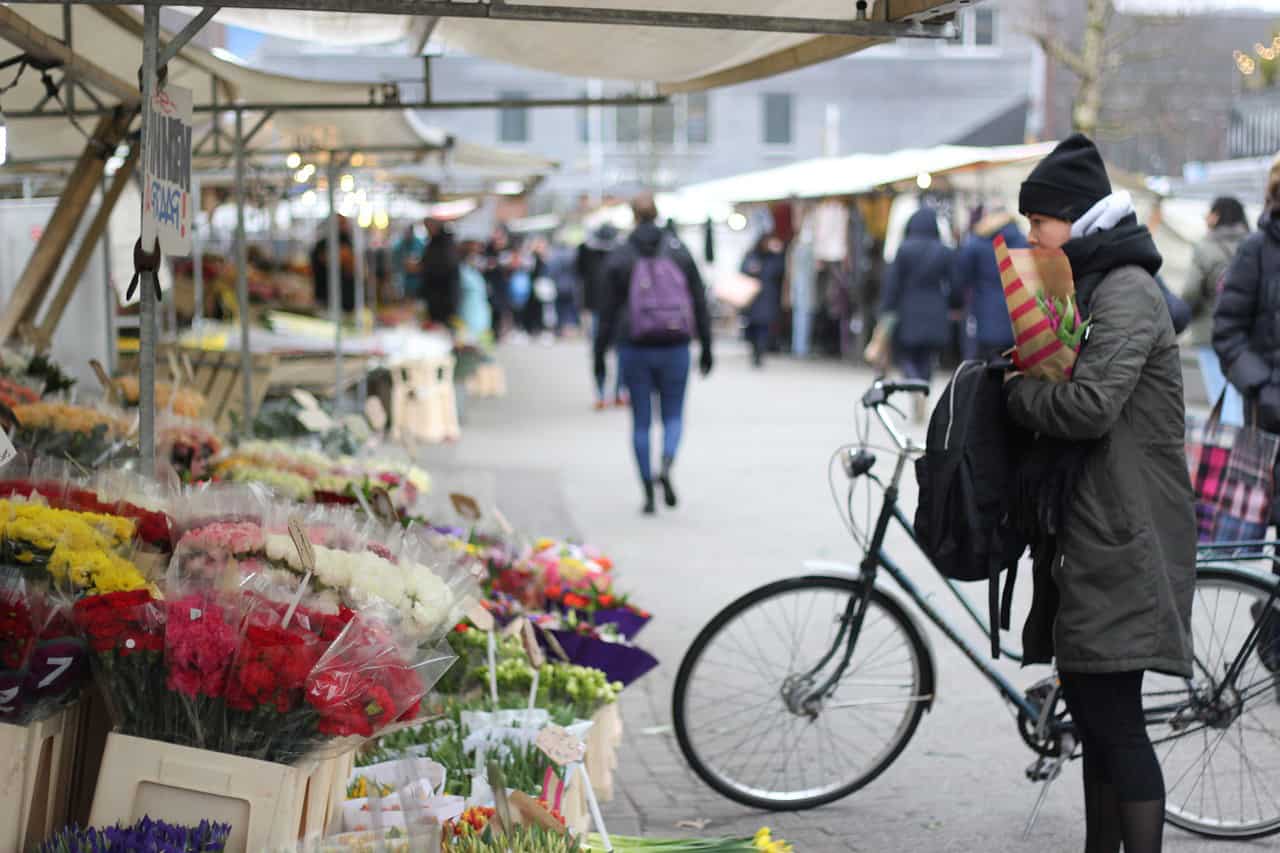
(966,479)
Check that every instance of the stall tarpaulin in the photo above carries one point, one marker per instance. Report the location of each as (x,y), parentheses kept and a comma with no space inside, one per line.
(677,59)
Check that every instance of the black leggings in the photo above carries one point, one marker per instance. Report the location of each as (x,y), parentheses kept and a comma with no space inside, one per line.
(1124,788)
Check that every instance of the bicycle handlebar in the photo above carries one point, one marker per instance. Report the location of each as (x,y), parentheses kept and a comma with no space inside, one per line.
(882,390)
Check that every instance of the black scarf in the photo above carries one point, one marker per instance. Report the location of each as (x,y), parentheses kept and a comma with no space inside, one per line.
(1049,469)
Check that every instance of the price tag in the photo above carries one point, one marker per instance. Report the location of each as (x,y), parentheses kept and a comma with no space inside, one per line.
(481,617)
(503,525)
(376,413)
(554,645)
(529,637)
(465,506)
(306,553)
(315,420)
(175,370)
(7,450)
(305,399)
(103,378)
(560,745)
(382,507)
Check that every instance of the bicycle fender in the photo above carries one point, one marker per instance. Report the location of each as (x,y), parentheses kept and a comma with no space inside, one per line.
(835,568)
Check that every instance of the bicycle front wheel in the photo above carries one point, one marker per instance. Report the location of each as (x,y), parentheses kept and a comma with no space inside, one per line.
(738,705)
(1218,740)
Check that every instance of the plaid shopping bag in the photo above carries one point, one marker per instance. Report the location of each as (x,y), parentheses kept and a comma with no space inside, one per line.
(1245,511)
(1208,444)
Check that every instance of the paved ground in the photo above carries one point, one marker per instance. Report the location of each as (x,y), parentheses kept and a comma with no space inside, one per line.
(754,506)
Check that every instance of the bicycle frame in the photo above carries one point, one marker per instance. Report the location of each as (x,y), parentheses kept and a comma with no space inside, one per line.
(876,559)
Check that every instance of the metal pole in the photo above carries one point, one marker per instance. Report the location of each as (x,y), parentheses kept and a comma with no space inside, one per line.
(197,253)
(335,283)
(358,245)
(242,281)
(146,285)
(112,332)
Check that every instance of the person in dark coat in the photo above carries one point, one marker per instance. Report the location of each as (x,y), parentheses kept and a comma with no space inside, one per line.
(977,279)
(346,268)
(1119,588)
(915,296)
(593,256)
(498,260)
(441,284)
(767,263)
(1246,337)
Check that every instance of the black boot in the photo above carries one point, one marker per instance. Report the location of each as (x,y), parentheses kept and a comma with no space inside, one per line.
(668,491)
(649,506)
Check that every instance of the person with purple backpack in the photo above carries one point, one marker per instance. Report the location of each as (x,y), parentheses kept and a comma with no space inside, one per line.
(654,305)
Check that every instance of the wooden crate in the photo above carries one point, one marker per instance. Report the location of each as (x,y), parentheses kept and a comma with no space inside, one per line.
(35,788)
(265,803)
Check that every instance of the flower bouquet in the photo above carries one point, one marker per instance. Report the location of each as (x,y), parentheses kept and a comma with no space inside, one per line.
(1040,295)
(145,836)
(183,402)
(86,436)
(189,446)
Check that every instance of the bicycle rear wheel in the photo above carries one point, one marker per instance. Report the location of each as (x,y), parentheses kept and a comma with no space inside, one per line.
(731,709)
(1220,749)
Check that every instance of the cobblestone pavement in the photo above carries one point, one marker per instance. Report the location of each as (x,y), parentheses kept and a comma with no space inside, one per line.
(755,504)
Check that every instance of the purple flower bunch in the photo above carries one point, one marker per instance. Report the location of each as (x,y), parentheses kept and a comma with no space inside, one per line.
(145,836)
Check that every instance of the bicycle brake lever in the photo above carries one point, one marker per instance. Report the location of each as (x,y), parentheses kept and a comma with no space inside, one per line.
(895,409)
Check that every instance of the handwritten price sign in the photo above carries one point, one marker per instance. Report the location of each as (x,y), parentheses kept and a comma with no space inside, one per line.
(166,197)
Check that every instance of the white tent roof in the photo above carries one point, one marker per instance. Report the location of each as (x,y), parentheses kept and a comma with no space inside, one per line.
(678,59)
(858,173)
(111,38)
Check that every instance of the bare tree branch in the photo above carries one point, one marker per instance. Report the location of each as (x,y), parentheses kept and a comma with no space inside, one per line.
(1059,51)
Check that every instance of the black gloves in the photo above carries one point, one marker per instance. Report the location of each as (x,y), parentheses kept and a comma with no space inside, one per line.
(706,362)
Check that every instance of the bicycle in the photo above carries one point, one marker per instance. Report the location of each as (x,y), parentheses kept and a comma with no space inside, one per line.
(840,703)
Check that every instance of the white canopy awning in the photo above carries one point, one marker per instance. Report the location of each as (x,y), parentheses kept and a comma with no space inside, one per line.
(110,38)
(678,59)
(826,177)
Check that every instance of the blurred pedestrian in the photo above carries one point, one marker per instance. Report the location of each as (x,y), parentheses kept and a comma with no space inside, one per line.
(542,290)
(562,267)
(497,262)
(767,263)
(406,263)
(1209,261)
(915,298)
(439,271)
(474,311)
(346,268)
(593,256)
(655,304)
(977,279)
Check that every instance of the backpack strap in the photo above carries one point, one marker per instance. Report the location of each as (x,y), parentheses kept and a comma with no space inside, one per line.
(993,605)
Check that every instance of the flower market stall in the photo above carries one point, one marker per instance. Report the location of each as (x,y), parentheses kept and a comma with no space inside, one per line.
(288,643)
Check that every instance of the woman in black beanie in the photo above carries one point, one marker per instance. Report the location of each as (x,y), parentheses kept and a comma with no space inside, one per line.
(1114,599)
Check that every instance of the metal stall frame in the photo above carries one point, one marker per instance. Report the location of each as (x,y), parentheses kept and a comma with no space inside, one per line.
(914,21)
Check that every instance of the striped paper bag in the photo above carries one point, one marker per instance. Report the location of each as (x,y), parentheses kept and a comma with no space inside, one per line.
(1026,273)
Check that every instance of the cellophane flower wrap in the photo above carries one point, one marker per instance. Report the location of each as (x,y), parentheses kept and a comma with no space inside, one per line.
(1040,296)
(188,445)
(50,558)
(373,677)
(88,435)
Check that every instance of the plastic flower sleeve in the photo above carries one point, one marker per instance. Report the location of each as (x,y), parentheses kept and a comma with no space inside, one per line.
(204,613)
(373,676)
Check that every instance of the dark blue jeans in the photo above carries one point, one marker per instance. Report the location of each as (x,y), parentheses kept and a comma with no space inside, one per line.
(647,371)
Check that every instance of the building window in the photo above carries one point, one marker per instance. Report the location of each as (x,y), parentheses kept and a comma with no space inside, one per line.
(777,119)
(984,27)
(513,122)
(626,125)
(697,118)
(662,124)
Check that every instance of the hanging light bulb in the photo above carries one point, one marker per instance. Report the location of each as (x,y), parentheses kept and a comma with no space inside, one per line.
(347,183)
(381,220)
(294,160)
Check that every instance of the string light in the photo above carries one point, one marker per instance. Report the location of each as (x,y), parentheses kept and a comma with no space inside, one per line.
(294,160)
